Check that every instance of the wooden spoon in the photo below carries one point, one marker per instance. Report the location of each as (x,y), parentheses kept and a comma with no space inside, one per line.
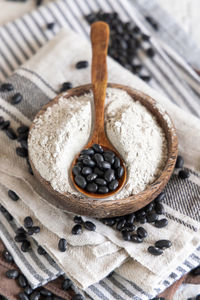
(100,38)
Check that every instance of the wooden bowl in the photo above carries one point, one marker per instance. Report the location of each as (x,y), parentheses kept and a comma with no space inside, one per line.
(110,208)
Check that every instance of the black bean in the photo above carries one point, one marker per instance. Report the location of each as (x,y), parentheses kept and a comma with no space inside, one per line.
(62,245)
(34,229)
(160,197)
(7,256)
(109,221)
(136,239)
(5,125)
(105,165)
(23,296)
(98,158)
(116,163)
(24,144)
(146,78)
(20,237)
(158,298)
(159,208)
(145,37)
(78,297)
(16,98)
(196,271)
(119,172)
(109,157)
(10,133)
(129,227)
(78,220)
(2,208)
(50,25)
(8,216)
(80,181)
(89,226)
(155,251)
(76,170)
(26,246)
(35,295)
(103,190)
(28,290)
(179,162)
(184,174)
(12,274)
(152,217)
(149,207)
(88,151)
(97,148)
(130,218)
(142,220)
(20,230)
(150,52)
(109,175)
(77,229)
(163,244)
(161,223)
(55,298)
(6,87)
(91,177)
(28,222)
(79,164)
(22,136)
(22,129)
(13,195)
(39,2)
(21,152)
(82,64)
(66,284)
(89,163)
(141,232)
(92,187)
(120,224)
(86,171)
(41,251)
(22,281)
(82,157)
(99,172)
(113,185)
(1,120)
(126,235)
(45,292)
(66,86)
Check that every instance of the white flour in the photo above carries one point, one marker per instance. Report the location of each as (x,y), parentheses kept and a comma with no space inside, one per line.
(63,130)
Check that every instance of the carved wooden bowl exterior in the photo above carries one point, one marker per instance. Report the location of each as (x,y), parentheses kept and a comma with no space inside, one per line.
(109,208)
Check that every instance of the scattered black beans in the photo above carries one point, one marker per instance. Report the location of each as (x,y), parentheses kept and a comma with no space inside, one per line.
(26,246)
(77,229)
(39,2)
(120,224)
(1,120)
(28,222)
(196,271)
(66,284)
(24,144)
(22,129)
(62,245)
(78,297)
(152,217)
(17,98)
(28,290)
(161,223)
(90,226)
(152,22)
(146,78)
(6,87)
(22,152)
(82,64)
(7,256)
(41,251)
(163,244)
(34,229)
(160,197)
(141,232)
(155,251)
(136,239)
(10,133)
(22,136)
(22,281)
(45,292)
(5,125)
(35,295)
(20,230)
(184,174)
(109,221)
(78,220)
(158,298)
(20,237)
(12,274)
(13,195)
(126,235)
(23,296)
(130,218)
(66,86)
(159,208)
(50,25)
(150,52)
(179,162)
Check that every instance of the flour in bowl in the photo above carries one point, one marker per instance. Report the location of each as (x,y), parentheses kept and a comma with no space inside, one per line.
(64,129)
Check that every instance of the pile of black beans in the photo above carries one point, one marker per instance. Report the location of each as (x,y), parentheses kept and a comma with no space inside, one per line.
(27,293)
(97,170)
(78,228)
(126,39)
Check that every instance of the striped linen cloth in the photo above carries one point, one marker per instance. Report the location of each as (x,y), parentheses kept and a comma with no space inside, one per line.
(21,39)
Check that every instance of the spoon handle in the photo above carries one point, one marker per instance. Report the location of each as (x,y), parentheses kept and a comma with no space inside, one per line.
(99,38)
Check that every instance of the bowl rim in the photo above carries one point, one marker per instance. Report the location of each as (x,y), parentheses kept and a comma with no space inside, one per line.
(109,207)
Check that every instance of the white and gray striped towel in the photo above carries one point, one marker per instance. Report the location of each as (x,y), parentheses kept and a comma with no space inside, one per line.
(30,32)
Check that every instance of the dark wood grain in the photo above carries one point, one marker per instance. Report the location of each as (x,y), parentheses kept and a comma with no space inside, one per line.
(103,208)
